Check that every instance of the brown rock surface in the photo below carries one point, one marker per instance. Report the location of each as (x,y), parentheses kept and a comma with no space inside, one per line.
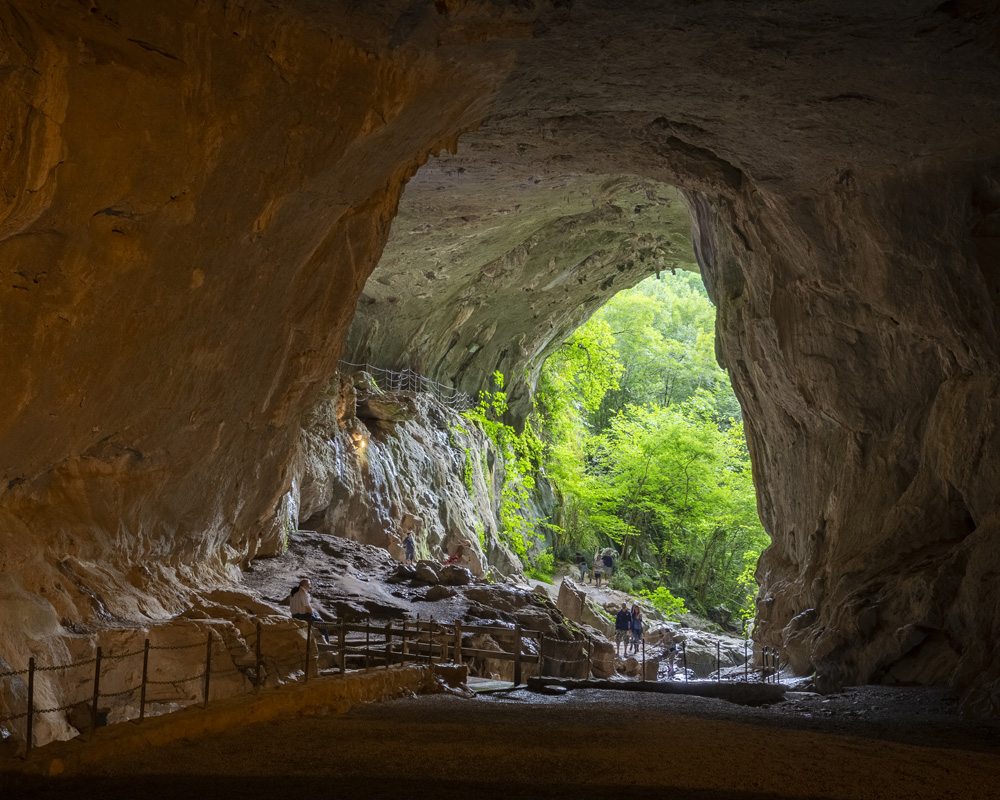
(195,193)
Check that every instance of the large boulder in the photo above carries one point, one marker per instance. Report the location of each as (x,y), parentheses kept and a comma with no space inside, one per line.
(577,606)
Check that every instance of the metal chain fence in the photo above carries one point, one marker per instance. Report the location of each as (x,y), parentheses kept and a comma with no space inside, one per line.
(421,641)
(406,380)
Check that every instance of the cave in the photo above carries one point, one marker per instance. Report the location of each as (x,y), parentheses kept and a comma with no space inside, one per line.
(203,214)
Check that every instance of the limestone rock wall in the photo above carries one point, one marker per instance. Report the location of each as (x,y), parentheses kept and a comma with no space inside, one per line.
(378,465)
(193,195)
(864,348)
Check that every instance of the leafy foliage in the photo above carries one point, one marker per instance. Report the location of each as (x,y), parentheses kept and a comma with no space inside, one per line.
(521,457)
(645,444)
(664,601)
(542,567)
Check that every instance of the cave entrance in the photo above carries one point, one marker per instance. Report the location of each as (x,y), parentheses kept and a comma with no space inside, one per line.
(646,450)
(497,268)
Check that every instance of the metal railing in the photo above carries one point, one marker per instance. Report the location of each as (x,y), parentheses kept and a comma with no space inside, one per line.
(406,380)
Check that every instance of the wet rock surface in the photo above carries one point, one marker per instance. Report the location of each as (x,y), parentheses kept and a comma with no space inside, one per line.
(427,472)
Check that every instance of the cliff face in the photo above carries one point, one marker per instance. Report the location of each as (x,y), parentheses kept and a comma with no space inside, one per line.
(194,194)
(375,466)
(866,358)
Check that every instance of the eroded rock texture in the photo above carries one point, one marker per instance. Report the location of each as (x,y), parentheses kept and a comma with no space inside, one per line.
(376,466)
(840,163)
(195,193)
(193,196)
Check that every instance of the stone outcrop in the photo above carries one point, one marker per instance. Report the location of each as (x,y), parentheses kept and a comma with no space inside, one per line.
(194,195)
(418,468)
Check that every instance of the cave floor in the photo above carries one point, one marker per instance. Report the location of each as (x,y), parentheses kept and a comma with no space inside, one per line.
(864,743)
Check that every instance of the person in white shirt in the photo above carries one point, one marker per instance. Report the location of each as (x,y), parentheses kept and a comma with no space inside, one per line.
(301,606)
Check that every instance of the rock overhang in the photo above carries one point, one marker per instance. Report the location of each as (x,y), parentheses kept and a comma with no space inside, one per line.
(192,289)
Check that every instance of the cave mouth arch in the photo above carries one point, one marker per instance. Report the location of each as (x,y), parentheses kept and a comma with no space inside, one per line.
(489,268)
(843,214)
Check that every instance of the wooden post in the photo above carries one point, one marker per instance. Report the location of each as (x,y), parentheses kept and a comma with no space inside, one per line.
(644,660)
(718,661)
(208,668)
(388,643)
(746,661)
(97,693)
(342,644)
(430,642)
(145,674)
(31,705)
(590,657)
(309,637)
(406,642)
(458,642)
(260,663)
(517,655)
(684,652)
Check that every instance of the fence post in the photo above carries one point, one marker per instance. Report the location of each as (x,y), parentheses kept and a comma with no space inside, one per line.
(777,665)
(643,660)
(342,644)
(458,642)
(763,664)
(718,661)
(517,654)
(145,674)
(97,693)
(309,637)
(388,643)
(430,642)
(746,661)
(406,643)
(208,668)
(684,653)
(256,679)
(590,657)
(31,704)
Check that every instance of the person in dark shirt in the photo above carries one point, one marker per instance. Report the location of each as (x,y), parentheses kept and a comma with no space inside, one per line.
(623,628)
(609,564)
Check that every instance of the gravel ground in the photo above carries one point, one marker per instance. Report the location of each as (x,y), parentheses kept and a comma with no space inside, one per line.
(865,743)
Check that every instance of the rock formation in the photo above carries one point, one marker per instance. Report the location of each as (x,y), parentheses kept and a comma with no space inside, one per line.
(194,195)
(377,465)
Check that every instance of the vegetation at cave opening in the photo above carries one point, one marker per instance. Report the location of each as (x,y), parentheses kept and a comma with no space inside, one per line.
(644,445)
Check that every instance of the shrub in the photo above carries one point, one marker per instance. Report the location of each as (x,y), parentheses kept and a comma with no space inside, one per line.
(542,566)
(664,602)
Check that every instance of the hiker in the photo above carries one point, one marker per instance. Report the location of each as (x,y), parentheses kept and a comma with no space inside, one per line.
(301,606)
(410,548)
(598,570)
(609,564)
(581,564)
(636,629)
(623,626)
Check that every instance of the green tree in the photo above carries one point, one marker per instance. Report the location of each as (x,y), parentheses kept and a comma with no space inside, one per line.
(645,445)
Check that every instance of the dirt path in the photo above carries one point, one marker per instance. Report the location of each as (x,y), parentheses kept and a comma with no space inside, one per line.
(525,746)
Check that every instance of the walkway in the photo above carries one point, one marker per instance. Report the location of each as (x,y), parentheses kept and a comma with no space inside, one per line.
(520,746)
